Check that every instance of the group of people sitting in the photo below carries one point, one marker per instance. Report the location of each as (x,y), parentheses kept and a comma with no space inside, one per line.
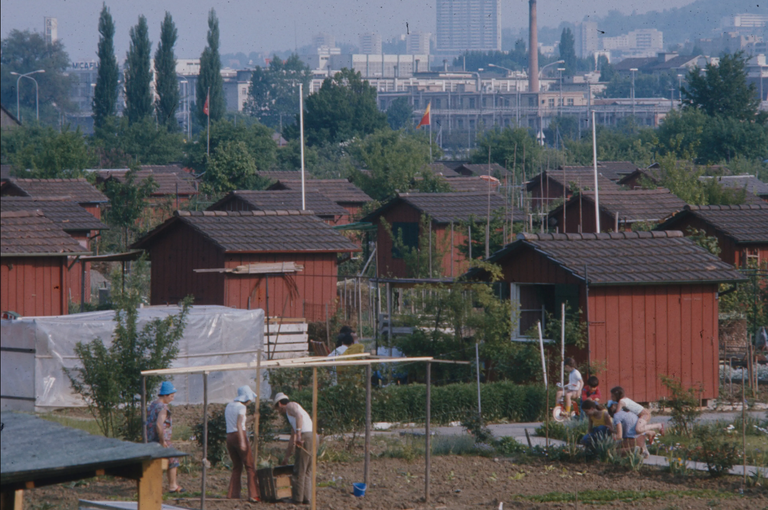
(622,418)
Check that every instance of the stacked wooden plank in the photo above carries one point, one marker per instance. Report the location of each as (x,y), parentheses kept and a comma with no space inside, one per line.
(286,338)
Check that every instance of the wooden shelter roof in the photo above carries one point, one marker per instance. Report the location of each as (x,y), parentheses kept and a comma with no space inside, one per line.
(339,190)
(79,190)
(634,205)
(742,223)
(447,207)
(752,184)
(43,452)
(30,233)
(471,184)
(168,183)
(63,211)
(626,258)
(282,200)
(258,231)
(583,177)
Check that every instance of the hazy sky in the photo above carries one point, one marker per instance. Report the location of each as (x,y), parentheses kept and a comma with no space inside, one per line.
(260,25)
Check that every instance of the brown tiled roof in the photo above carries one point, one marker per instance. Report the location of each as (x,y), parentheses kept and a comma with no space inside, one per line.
(448,207)
(471,184)
(627,257)
(584,177)
(340,191)
(617,169)
(441,169)
(79,190)
(66,213)
(742,223)
(258,231)
(471,169)
(280,175)
(635,205)
(752,184)
(170,169)
(280,200)
(31,233)
(652,174)
(167,182)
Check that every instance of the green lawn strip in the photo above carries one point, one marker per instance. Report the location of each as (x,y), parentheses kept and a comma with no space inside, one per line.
(87,424)
(607,495)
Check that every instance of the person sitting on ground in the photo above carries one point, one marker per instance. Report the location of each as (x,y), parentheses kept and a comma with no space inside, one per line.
(238,447)
(600,423)
(625,429)
(160,429)
(573,388)
(300,441)
(644,415)
(591,390)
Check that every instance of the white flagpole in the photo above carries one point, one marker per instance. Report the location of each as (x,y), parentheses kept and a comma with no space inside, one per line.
(301,129)
(208,129)
(594,161)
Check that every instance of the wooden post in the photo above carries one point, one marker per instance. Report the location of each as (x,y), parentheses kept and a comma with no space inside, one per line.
(546,385)
(257,414)
(451,249)
(744,427)
(427,442)
(205,440)
(367,466)
(314,438)
(144,409)
(328,330)
(479,401)
(151,485)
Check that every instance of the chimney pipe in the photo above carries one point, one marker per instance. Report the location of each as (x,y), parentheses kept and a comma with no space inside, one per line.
(533,49)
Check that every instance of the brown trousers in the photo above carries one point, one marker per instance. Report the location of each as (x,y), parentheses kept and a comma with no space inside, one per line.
(240,457)
(301,481)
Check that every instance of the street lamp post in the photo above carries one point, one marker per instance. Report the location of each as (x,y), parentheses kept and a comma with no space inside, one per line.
(633,71)
(186,96)
(680,88)
(37,103)
(560,105)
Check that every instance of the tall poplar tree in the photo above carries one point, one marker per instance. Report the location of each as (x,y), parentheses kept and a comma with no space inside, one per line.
(105,94)
(138,74)
(210,75)
(166,83)
(568,51)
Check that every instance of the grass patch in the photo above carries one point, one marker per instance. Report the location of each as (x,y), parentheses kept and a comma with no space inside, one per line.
(86,424)
(607,495)
(453,445)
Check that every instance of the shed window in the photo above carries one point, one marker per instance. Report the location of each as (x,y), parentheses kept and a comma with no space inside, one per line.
(535,301)
(409,233)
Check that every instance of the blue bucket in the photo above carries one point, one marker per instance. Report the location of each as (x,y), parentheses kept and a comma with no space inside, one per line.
(359,489)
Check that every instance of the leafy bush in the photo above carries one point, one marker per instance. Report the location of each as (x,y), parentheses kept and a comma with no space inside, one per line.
(684,403)
(720,456)
(570,431)
(509,446)
(473,422)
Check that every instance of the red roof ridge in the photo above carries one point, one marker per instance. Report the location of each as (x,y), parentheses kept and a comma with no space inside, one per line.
(741,207)
(235,214)
(604,236)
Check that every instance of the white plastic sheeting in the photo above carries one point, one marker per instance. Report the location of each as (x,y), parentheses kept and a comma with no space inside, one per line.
(35,351)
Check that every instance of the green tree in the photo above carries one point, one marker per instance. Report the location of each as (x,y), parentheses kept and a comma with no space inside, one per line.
(344,108)
(400,113)
(24,52)
(725,138)
(138,75)
(210,76)
(143,141)
(126,203)
(514,149)
(393,160)
(682,179)
(274,90)
(722,89)
(46,153)
(110,377)
(166,83)
(256,137)
(232,167)
(105,93)
(568,51)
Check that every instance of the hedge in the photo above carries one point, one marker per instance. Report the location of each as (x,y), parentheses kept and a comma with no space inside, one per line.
(342,408)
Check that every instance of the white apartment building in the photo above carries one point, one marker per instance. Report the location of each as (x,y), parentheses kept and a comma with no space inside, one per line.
(586,39)
(468,25)
(417,43)
(370,43)
(642,42)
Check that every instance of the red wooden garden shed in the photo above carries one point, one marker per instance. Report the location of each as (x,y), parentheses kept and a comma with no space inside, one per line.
(553,185)
(741,230)
(33,273)
(75,221)
(207,254)
(650,299)
(447,211)
(341,191)
(619,210)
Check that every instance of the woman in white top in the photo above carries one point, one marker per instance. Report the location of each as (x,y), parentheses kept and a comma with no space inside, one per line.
(643,414)
(238,447)
(575,383)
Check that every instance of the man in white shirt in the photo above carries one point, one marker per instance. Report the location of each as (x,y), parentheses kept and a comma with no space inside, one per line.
(300,441)
(238,447)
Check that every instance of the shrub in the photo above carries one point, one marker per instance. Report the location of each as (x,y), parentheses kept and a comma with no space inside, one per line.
(684,403)
(473,422)
(509,446)
(720,456)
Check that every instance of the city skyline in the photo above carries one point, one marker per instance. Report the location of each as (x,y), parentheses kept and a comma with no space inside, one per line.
(273,27)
